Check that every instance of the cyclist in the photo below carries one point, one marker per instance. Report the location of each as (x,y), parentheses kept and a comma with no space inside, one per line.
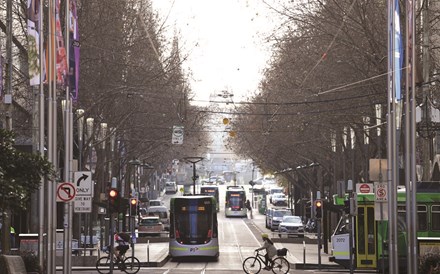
(271,251)
(122,244)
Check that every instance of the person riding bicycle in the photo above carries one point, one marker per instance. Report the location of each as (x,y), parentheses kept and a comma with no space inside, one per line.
(271,251)
(122,241)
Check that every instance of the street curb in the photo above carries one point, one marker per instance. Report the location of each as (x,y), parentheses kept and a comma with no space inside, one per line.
(315,266)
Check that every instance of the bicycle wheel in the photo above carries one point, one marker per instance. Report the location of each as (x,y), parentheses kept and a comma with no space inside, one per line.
(132,265)
(252,265)
(103,265)
(280,265)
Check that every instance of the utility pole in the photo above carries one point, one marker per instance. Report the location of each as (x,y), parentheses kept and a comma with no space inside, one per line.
(426,147)
(8,115)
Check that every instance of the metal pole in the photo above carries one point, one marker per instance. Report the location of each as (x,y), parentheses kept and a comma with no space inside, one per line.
(194,178)
(411,178)
(112,242)
(351,225)
(41,190)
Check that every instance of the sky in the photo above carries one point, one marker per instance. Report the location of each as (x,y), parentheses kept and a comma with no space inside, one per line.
(225,41)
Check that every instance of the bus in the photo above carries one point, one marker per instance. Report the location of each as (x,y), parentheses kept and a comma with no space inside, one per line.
(370,233)
(235,202)
(193,227)
(211,191)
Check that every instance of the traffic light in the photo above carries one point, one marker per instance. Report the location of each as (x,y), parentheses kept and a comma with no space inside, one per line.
(318,209)
(347,206)
(113,200)
(133,206)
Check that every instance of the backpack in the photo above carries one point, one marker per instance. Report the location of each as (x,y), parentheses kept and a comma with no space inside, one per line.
(124,237)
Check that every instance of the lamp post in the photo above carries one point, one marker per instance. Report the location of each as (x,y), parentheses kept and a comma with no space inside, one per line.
(144,167)
(193,161)
(134,194)
(80,125)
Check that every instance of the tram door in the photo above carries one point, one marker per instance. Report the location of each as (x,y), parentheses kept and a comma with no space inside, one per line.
(365,237)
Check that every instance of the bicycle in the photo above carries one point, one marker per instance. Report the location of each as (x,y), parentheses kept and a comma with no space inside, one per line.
(130,264)
(252,264)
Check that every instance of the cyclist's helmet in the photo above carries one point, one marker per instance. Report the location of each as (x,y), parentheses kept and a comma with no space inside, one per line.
(264,236)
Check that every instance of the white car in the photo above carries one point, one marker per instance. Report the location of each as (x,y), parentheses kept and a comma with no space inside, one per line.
(170,187)
(279,199)
(291,226)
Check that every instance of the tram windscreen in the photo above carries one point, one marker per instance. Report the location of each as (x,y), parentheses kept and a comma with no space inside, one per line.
(194,221)
(236,200)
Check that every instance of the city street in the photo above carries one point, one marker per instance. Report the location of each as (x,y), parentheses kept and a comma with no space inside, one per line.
(239,237)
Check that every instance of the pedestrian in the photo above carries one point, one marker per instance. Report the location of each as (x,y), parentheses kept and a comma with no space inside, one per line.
(271,251)
(248,204)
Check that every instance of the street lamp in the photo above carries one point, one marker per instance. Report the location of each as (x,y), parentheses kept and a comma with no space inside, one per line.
(80,124)
(144,167)
(89,124)
(135,163)
(193,161)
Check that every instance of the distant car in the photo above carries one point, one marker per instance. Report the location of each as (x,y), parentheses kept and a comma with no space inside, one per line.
(155,203)
(170,187)
(162,213)
(279,199)
(150,226)
(269,213)
(277,217)
(291,226)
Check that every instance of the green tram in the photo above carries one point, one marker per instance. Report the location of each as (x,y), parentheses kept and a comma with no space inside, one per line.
(370,233)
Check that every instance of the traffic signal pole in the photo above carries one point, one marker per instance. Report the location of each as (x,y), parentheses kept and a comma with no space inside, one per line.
(318,212)
(133,213)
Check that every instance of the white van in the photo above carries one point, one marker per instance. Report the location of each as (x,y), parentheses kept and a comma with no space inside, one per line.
(170,187)
(162,213)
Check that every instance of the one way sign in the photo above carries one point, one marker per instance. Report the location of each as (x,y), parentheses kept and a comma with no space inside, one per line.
(83,183)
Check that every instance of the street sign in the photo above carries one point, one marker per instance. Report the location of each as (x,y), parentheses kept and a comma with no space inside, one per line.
(381,192)
(177,137)
(364,188)
(65,192)
(83,183)
(83,204)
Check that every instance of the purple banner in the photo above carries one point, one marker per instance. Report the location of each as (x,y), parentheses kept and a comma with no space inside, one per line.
(397,51)
(73,51)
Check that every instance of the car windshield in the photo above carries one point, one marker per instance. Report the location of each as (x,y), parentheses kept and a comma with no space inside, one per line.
(148,222)
(292,219)
(280,213)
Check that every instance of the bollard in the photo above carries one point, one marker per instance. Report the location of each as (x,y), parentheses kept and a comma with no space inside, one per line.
(148,251)
(304,254)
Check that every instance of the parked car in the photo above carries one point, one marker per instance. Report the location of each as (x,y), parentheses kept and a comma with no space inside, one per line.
(170,187)
(273,190)
(291,226)
(277,217)
(269,212)
(150,226)
(279,199)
